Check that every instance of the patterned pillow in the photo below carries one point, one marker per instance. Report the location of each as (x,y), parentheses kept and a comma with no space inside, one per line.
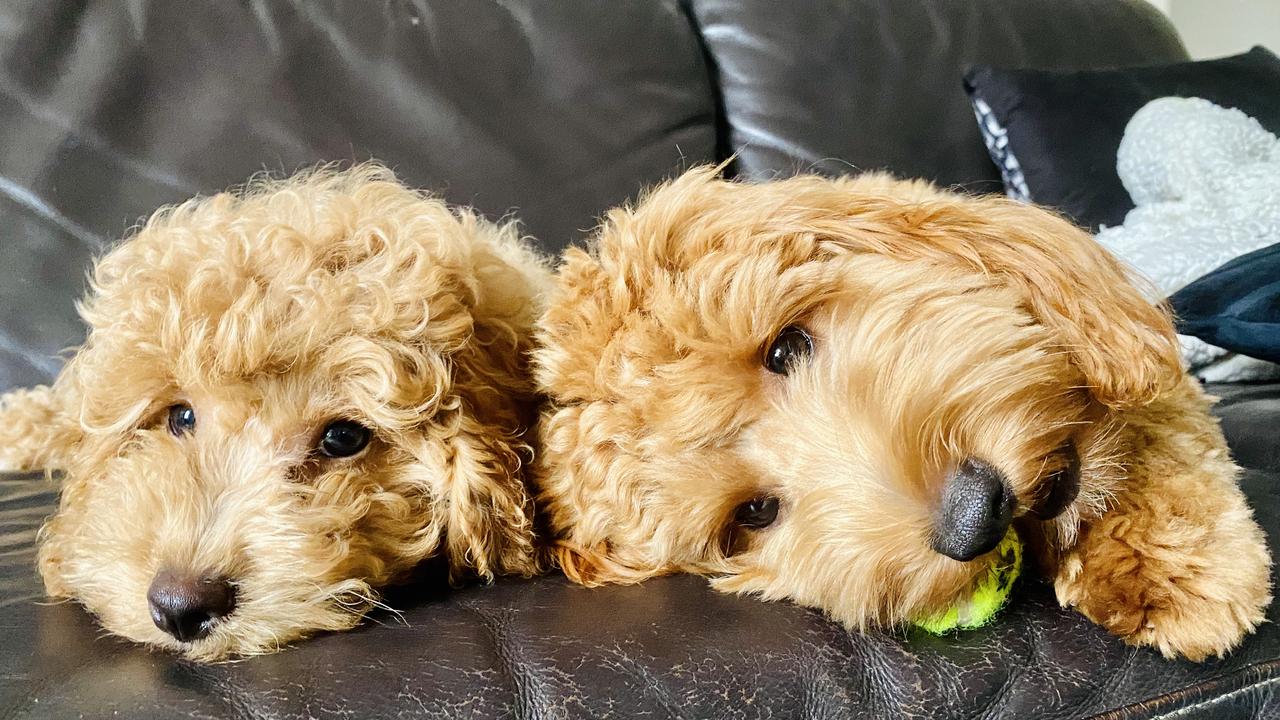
(996,139)
(1054,134)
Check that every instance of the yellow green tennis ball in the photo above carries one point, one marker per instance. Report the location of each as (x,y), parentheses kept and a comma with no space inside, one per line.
(988,596)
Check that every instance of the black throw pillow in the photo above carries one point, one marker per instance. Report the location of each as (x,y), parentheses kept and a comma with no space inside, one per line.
(1055,134)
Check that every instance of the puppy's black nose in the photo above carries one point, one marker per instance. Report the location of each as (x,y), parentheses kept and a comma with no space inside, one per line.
(976,509)
(186,607)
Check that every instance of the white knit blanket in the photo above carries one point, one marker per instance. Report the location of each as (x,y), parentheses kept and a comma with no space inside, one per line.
(1206,184)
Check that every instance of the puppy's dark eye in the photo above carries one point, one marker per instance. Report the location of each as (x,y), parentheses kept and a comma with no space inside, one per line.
(343,438)
(791,346)
(182,419)
(757,513)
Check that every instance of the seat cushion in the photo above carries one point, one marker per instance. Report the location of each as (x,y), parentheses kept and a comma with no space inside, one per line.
(668,647)
(1249,413)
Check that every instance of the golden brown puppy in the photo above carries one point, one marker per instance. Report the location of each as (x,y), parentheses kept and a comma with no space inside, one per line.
(289,396)
(841,392)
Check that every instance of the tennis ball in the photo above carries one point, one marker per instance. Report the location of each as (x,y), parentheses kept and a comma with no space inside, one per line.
(988,596)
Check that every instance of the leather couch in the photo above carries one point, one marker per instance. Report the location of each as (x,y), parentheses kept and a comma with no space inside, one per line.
(554,109)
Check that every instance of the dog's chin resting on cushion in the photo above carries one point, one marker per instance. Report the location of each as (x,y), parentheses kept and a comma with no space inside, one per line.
(290,396)
(843,392)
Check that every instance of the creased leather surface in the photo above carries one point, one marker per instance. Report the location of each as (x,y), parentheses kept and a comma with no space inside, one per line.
(832,85)
(1248,413)
(555,108)
(668,648)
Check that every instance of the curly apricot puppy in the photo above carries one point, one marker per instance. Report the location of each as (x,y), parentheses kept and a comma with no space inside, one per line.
(289,396)
(841,392)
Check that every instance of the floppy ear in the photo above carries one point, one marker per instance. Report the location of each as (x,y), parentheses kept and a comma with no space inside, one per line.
(584,479)
(43,432)
(580,473)
(1123,344)
(40,431)
(490,525)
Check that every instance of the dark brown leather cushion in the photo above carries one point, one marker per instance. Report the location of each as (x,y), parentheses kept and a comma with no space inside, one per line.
(669,647)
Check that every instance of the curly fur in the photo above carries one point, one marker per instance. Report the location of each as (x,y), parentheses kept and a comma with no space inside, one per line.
(945,328)
(272,311)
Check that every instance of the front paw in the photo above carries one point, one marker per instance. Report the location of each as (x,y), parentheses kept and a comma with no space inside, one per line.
(1196,594)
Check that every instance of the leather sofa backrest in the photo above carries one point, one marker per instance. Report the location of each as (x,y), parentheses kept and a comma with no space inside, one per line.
(836,86)
(553,110)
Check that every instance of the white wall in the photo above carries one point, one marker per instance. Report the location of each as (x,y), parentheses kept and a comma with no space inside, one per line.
(1213,28)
